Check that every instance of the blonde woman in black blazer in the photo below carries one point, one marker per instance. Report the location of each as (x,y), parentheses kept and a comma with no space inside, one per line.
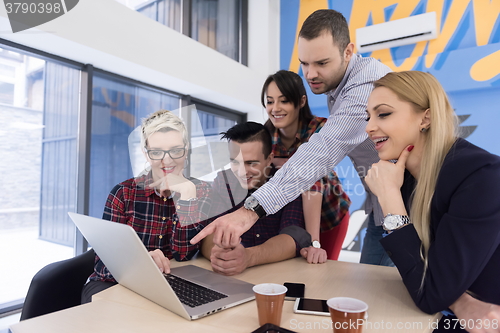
(441,202)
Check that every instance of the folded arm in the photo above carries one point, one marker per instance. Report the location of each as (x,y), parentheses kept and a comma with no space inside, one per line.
(236,260)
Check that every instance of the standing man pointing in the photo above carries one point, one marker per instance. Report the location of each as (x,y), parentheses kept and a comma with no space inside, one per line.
(330,67)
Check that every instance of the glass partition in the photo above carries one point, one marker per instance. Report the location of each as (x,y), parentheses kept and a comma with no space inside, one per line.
(39,105)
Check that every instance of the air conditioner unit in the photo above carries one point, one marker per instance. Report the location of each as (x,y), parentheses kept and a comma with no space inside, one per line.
(405,31)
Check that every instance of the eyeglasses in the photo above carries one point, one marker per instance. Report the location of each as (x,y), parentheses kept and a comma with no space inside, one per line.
(156,154)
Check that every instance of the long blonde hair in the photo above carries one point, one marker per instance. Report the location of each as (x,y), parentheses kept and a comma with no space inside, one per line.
(424,92)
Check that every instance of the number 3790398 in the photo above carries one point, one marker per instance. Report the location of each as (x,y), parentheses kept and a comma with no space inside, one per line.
(23,7)
(470,324)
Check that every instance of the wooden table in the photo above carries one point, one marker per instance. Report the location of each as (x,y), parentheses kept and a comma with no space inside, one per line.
(118,309)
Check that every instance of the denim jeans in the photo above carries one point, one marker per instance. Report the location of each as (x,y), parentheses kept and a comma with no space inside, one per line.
(373,253)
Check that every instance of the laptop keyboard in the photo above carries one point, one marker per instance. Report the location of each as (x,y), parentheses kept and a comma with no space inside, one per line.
(190,293)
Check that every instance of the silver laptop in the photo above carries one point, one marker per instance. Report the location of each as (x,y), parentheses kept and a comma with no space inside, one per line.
(127,259)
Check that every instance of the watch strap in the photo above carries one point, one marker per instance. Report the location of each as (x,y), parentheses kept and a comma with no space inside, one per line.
(250,205)
(260,211)
(316,244)
(402,220)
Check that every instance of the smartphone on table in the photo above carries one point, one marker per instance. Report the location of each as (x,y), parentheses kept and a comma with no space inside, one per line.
(311,306)
(295,290)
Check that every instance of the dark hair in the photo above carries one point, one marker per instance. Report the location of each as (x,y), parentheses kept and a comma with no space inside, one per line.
(291,86)
(250,132)
(327,20)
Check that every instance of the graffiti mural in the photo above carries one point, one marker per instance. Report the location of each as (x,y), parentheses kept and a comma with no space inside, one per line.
(465,58)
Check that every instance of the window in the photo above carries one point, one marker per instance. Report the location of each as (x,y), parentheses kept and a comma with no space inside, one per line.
(219,24)
(209,154)
(39,105)
(215,23)
(167,12)
(118,106)
(42,108)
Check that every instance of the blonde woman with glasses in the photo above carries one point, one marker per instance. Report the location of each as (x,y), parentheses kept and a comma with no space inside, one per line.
(441,202)
(165,208)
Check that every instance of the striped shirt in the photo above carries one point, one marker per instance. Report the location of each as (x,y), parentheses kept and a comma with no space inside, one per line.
(161,223)
(335,203)
(343,135)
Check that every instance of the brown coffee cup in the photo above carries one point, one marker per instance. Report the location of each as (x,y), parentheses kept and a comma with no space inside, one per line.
(348,314)
(270,298)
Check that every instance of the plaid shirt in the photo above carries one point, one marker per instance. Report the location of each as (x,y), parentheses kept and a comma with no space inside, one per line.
(159,223)
(228,195)
(335,201)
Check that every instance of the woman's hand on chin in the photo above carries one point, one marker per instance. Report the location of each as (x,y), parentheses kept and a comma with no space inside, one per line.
(386,177)
(175,183)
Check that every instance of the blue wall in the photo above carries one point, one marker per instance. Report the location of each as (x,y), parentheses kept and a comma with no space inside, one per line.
(465,58)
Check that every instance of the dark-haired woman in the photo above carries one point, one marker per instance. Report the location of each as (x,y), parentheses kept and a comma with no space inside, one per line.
(291,124)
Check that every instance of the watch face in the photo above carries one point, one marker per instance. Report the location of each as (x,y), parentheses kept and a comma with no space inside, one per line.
(316,244)
(391,222)
(251,202)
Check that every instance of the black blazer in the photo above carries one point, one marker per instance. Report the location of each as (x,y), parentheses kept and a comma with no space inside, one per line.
(465,233)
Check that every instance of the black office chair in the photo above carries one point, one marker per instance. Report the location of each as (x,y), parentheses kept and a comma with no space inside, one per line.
(58,286)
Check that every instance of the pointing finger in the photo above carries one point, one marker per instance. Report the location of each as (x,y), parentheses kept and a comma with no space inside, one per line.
(209,229)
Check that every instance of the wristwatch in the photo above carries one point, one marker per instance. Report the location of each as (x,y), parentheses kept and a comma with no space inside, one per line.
(394,222)
(316,244)
(251,203)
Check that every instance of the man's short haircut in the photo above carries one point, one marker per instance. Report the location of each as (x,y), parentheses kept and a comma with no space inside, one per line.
(329,21)
(250,132)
